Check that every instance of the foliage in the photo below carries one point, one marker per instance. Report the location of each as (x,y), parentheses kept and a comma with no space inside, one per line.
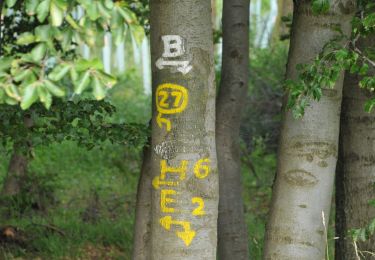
(48,66)
(86,122)
(364,233)
(325,69)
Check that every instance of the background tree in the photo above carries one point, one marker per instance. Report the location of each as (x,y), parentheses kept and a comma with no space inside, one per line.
(232,232)
(297,226)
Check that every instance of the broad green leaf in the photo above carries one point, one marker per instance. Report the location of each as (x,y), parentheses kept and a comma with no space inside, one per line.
(109,4)
(92,11)
(11,3)
(26,38)
(107,79)
(59,72)
(31,6)
(5,63)
(43,33)
(43,10)
(369,105)
(128,15)
(57,14)
(83,83)
(83,65)
(98,90)
(103,12)
(30,95)
(38,52)
(54,89)
(137,33)
(320,6)
(44,96)
(22,75)
(12,91)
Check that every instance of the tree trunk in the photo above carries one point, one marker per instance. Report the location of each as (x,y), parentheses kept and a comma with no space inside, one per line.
(183,161)
(17,171)
(142,227)
(356,176)
(232,229)
(300,208)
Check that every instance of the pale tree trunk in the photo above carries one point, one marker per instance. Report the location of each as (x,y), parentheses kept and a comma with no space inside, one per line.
(232,229)
(356,174)
(142,226)
(280,30)
(308,147)
(183,161)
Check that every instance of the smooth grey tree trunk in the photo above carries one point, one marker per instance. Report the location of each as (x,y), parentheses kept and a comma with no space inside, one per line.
(183,161)
(232,229)
(142,226)
(302,192)
(356,174)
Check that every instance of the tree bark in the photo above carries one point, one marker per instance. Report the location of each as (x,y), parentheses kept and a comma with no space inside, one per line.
(142,226)
(232,229)
(356,176)
(183,161)
(300,208)
(17,171)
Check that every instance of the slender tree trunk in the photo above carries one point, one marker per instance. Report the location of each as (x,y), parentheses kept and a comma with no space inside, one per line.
(232,236)
(17,171)
(142,227)
(183,161)
(356,176)
(300,208)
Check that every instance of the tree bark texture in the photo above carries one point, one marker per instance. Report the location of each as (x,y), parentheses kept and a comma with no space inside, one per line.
(300,208)
(17,171)
(142,227)
(232,229)
(356,174)
(183,160)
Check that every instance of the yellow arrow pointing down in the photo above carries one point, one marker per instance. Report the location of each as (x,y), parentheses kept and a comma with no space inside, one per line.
(187,235)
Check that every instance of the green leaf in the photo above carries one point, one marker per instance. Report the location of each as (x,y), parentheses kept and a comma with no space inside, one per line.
(43,10)
(128,15)
(59,72)
(54,89)
(30,95)
(22,75)
(320,6)
(11,3)
(31,6)
(83,83)
(38,52)
(83,65)
(98,91)
(44,96)
(369,105)
(43,33)
(137,32)
(26,38)
(57,14)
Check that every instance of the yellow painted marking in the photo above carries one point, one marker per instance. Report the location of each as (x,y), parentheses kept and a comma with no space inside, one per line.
(181,98)
(165,200)
(199,211)
(160,121)
(202,168)
(187,235)
(181,170)
(156,182)
(164,98)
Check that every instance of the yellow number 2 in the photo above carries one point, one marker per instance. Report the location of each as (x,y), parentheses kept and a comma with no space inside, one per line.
(199,211)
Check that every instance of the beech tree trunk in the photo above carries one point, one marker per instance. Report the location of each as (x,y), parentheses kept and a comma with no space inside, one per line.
(142,226)
(183,160)
(17,171)
(356,174)
(302,192)
(232,229)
